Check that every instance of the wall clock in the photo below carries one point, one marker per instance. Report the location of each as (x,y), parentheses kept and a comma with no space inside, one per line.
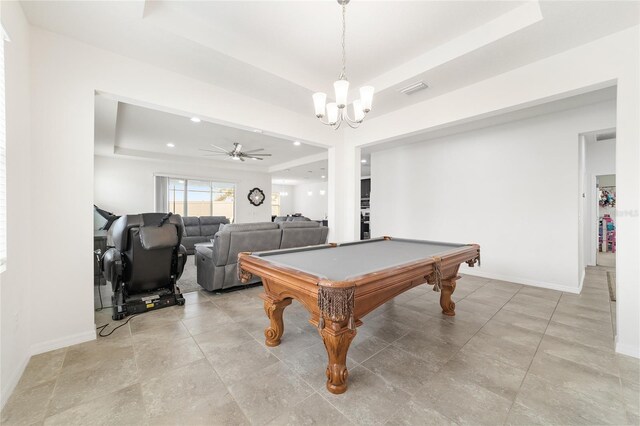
(256,196)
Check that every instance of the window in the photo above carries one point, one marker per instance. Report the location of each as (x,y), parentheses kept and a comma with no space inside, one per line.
(194,197)
(3,161)
(275,203)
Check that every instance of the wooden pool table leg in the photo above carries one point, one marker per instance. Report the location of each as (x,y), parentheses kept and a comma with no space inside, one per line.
(274,309)
(448,305)
(337,338)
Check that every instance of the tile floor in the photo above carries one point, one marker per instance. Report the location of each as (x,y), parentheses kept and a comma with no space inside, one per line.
(512,355)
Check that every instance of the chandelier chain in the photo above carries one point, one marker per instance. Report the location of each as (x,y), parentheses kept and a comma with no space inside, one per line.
(343,75)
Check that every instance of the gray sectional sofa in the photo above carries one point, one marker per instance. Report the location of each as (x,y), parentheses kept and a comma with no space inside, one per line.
(217,262)
(200,230)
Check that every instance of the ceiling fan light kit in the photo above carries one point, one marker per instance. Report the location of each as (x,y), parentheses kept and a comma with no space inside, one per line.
(336,112)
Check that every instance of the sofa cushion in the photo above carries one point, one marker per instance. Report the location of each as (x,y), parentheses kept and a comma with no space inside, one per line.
(302,237)
(209,225)
(258,226)
(299,224)
(191,226)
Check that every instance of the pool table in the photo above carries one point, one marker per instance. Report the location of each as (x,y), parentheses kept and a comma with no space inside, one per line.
(341,283)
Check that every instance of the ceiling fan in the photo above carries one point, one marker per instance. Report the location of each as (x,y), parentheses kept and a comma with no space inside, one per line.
(236,153)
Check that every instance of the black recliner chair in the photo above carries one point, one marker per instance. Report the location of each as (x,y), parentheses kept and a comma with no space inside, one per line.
(145,263)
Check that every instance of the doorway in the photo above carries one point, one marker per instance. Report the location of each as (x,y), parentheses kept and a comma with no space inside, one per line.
(606,205)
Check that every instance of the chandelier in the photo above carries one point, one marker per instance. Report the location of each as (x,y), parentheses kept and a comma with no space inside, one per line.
(336,112)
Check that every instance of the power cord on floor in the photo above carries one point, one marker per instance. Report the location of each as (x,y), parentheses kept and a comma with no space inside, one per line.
(102,327)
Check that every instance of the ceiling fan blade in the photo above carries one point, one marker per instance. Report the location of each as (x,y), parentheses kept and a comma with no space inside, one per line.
(214,154)
(260,155)
(254,158)
(217,147)
(213,151)
(254,150)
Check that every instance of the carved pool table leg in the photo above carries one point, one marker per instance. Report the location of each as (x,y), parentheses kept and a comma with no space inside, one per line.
(448,305)
(274,310)
(337,338)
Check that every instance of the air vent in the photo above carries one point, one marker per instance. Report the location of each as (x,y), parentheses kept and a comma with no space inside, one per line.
(413,88)
(606,136)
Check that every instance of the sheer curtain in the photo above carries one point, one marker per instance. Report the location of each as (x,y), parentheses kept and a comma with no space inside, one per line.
(162,190)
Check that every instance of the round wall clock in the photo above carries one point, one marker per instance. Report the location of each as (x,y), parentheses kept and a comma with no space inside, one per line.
(256,196)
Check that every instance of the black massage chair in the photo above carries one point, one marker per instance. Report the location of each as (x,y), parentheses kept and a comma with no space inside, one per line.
(145,263)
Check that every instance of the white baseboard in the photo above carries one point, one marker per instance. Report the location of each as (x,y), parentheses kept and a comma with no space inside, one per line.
(520,280)
(62,342)
(9,386)
(629,350)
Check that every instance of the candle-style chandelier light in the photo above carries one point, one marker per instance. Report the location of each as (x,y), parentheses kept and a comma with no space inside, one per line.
(336,112)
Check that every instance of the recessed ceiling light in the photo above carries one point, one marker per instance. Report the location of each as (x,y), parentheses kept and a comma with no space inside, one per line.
(310,193)
(195,119)
(363,161)
(322,192)
(257,131)
(296,143)
(170,145)
(323,176)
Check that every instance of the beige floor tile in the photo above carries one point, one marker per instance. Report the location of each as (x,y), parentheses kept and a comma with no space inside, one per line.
(485,371)
(223,410)
(603,326)
(178,390)
(489,295)
(191,310)
(265,394)
(427,347)
(541,292)
(582,336)
(164,333)
(41,368)
(629,368)
(385,329)
(123,406)
(314,410)
(402,369)
(208,322)
(152,319)
(478,308)
(602,388)
(77,386)
(369,399)
(97,355)
(311,363)
(540,402)
(411,413)
(530,305)
(601,360)
(504,350)
(463,401)
(235,363)
(504,286)
(364,346)
(521,320)
(406,317)
(29,406)
(512,333)
(293,340)
(153,359)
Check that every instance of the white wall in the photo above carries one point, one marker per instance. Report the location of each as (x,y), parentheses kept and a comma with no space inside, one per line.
(511,188)
(600,159)
(314,206)
(124,185)
(15,281)
(286,201)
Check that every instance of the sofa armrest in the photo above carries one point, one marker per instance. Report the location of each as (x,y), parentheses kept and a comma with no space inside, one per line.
(112,267)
